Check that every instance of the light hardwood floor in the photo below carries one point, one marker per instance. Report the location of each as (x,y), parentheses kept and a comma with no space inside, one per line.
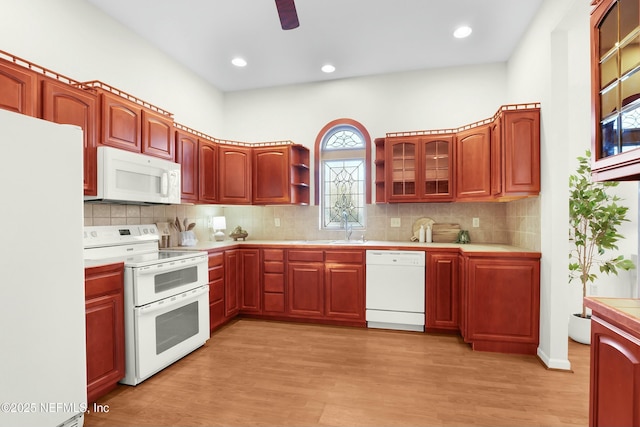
(261,373)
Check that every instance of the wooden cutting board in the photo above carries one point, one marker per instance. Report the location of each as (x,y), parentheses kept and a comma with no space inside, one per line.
(445,233)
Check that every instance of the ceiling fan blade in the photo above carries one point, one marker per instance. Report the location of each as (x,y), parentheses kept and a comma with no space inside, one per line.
(288,14)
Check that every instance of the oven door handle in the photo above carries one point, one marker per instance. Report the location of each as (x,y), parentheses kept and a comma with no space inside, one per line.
(169,302)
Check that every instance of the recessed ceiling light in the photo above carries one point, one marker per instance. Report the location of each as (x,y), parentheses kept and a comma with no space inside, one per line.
(328,68)
(462,32)
(239,62)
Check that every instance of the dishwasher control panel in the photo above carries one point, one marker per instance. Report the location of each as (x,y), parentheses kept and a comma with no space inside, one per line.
(382,257)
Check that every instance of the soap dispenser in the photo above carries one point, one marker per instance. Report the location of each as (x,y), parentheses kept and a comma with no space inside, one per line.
(429,234)
(421,235)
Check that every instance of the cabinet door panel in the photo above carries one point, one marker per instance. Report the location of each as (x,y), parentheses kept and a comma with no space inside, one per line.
(271,181)
(64,104)
(104,359)
(250,289)
(305,283)
(522,152)
(402,177)
(442,291)
(473,169)
(157,135)
(231,268)
(18,89)
(120,123)
(503,300)
(235,175)
(207,172)
(187,156)
(344,291)
(615,376)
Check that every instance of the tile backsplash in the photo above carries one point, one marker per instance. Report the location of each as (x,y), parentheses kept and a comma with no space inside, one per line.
(516,223)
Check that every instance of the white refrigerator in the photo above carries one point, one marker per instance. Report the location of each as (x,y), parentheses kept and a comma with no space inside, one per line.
(42,315)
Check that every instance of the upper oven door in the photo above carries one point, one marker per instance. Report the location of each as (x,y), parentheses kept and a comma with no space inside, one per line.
(163,280)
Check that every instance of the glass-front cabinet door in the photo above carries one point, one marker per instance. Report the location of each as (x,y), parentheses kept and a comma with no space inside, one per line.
(615,62)
(437,164)
(402,155)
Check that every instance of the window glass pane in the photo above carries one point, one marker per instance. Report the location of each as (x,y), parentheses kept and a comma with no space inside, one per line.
(609,129)
(630,89)
(630,121)
(609,71)
(629,18)
(609,101)
(609,31)
(630,55)
(344,139)
(344,192)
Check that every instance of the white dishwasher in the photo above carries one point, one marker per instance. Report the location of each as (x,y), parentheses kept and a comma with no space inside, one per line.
(395,290)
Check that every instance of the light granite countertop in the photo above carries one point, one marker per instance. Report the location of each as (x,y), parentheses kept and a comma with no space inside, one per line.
(620,311)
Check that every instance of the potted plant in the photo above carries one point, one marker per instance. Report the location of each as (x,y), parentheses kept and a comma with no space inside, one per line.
(594,217)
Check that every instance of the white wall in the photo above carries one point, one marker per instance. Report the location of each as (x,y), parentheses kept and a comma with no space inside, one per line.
(76,39)
(552,64)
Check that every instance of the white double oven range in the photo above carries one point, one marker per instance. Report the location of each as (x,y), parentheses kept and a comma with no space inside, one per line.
(166,296)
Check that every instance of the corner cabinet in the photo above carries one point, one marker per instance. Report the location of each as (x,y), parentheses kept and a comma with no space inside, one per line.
(280,175)
(104,306)
(615,87)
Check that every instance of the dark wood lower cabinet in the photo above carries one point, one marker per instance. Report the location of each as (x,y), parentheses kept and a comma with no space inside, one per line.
(501,303)
(442,295)
(250,294)
(104,313)
(305,289)
(615,375)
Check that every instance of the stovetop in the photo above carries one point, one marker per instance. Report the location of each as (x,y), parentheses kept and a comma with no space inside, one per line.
(135,245)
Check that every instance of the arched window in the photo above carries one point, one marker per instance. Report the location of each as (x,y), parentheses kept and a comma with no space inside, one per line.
(342,165)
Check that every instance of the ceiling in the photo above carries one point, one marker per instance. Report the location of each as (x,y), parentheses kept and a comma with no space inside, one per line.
(358,37)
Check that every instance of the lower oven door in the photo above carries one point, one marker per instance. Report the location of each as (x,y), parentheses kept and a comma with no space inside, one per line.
(167,330)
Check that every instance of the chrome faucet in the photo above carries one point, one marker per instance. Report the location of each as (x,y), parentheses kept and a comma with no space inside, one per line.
(347,229)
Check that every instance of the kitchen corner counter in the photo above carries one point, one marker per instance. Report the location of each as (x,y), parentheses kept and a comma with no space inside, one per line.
(623,312)
(474,249)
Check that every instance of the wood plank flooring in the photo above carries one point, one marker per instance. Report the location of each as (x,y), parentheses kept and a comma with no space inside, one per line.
(262,373)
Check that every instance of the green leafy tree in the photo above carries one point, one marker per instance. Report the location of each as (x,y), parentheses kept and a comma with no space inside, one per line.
(594,217)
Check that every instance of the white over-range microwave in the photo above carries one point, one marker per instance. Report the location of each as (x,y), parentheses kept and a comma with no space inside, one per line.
(128,177)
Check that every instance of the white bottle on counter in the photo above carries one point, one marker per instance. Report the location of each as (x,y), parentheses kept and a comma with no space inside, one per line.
(421,234)
(429,237)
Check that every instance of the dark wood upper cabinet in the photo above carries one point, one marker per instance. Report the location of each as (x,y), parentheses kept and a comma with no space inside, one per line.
(129,123)
(280,175)
(65,104)
(271,175)
(235,174)
(473,163)
(615,87)
(208,168)
(157,135)
(187,156)
(490,160)
(18,89)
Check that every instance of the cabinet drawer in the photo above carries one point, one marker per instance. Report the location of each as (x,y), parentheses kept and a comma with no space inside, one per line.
(345,257)
(216,291)
(274,282)
(103,280)
(306,256)
(274,267)
(273,254)
(216,259)
(216,273)
(274,302)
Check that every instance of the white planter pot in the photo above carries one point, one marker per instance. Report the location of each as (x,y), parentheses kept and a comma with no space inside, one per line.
(580,329)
